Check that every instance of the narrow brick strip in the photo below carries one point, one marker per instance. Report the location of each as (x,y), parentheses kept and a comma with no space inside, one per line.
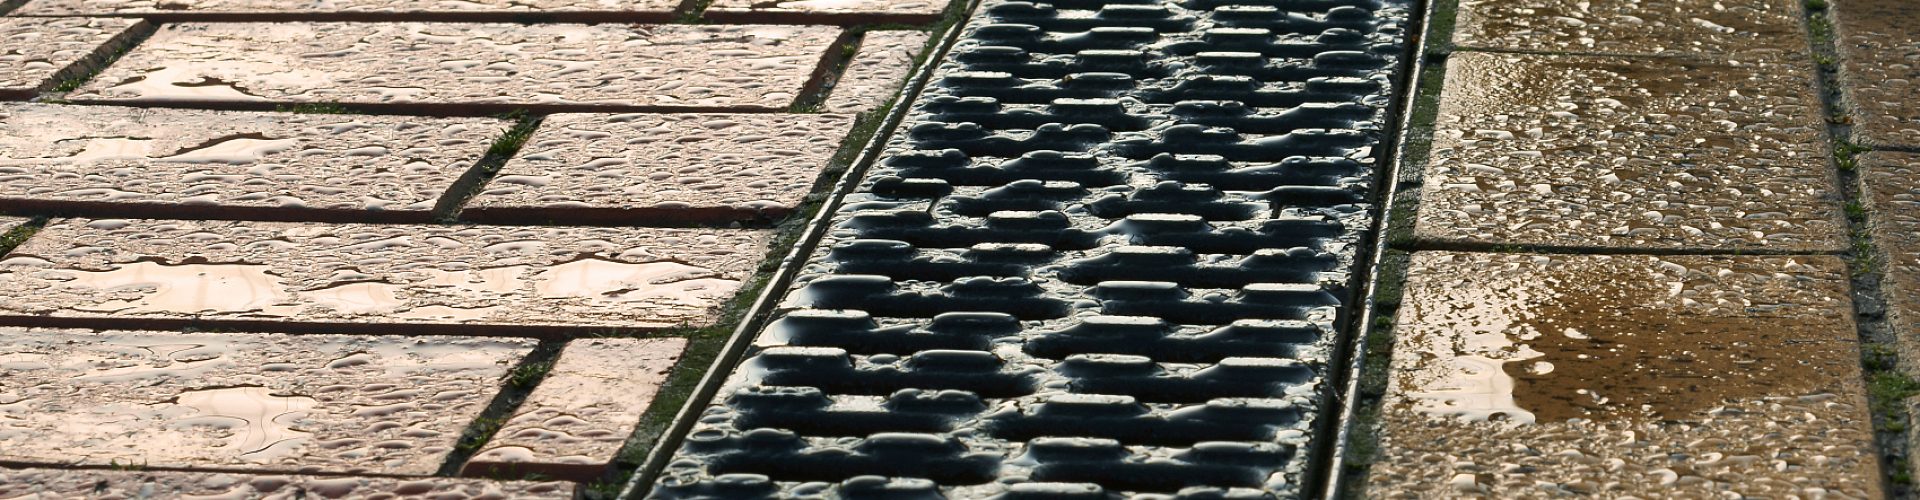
(470,67)
(876,71)
(1890,187)
(112,161)
(1625,376)
(355,277)
(258,403)
(653,168)
(845,12)
(364,10)
(41,52)
(571,426)
(1743,29)
(1879,44)
(1607,153)
(154,485)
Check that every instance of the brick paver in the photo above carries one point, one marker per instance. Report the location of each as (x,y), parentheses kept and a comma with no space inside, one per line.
(1751,29)
(363,10)
(573,423)
(663,168)
(39,53)
(1615,153)
(22,484)
(380,404)
(1879,44)
(1890,188)
(270,275)
(1617,376)
(455,66)
(9,223)
(148,162)
(836,11)
(877,70)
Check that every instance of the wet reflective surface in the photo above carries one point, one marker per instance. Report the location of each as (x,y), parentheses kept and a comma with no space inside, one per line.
(1888,181)
(903,11)
(112,159)
(256,402)
(37,50)
(876,71)
(177,8)
(36,484)
(704,167)
(573,423)
(1879,44)
(1625,375)
(1596,152)
(676,66)
(295,273)
(1745,29)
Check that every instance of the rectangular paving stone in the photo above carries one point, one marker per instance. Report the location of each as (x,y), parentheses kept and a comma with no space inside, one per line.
(1625,376)
(255,402)
(350,277)
(1617,153)
(881,65)
(1879,44)
(186,163)
(9,223)
(574,422)
(827,11)
(1891,191)
(469,66)
(41,52)
(1745,29)
(663,168)
(30,483)
(363,10)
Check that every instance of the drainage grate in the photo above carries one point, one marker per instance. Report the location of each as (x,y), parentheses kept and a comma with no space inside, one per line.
(1110,251)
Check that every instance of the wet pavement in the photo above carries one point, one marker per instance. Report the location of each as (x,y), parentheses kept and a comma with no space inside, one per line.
(573,249)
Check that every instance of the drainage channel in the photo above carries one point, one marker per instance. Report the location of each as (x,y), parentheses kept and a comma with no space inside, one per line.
(1110,250)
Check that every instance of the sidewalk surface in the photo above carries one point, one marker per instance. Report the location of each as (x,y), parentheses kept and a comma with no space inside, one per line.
(1089,249)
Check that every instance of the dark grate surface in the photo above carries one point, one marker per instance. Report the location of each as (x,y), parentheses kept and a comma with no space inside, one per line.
(1108,253)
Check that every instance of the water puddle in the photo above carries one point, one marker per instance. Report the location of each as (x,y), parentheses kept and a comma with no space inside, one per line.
(236,150)
(625,282)
(185,288)
(261,423)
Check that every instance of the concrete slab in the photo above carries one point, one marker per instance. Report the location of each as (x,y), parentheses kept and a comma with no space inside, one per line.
(42,52)
(469,66)
(1890,183)
(1743,29)
(22,484)
(1616,153)
(1879,44)
(353,277)
(575,421)
(876,72)
(711,168)
(1625,376)
(316,403)
(827,11)
(362,10)
(186,163)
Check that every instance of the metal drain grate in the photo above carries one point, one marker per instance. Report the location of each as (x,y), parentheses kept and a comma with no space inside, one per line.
(1108,252)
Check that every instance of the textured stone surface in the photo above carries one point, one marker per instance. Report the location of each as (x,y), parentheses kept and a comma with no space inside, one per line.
(577,418)
(842,11)
(1879,44)
(149,162)
(8,223)
(877,70)
(368,10)
(653,167)
(303,276)
(24,484)
(1576,151)
(40,52)
(1741,28)
(1625,376)
(380,404)
(566,66)
(1890,182)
